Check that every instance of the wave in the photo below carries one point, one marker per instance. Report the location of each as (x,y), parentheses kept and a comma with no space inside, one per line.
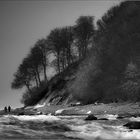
(32,127)
(135,119)
(95,130)
(40,118)
(64,127)
(111,117)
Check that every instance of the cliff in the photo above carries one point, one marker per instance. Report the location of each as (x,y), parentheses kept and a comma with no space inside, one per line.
(56,91)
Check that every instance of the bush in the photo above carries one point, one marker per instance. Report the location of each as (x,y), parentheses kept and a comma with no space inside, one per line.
(131,85)
(36,94)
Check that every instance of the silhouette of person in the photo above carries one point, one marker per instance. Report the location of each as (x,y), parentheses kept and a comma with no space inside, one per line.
(5,109)
(9,109)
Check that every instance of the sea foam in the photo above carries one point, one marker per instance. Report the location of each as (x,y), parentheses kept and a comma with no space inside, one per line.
(135,119)
(41,118)
(96,130)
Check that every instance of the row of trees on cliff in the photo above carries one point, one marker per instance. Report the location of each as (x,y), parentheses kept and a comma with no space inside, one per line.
(67,44)
(112,72)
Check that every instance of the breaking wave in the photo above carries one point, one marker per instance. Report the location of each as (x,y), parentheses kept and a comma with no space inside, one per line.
(41,118)
(64,128)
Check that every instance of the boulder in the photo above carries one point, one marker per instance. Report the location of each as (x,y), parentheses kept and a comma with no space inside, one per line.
(90,117)
(120,117)
(102,119)
(133,125)
(21,113)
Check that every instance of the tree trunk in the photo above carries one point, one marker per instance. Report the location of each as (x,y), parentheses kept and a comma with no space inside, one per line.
(68,55)
(36,81)
(80,52)
(28,87)
(45,75)
(84,49)
(45,64)
(38,76)
(58,62)
(64,58)
(63,63)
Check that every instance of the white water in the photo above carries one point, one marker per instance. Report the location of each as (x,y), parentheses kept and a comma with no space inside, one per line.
(89,112)
(111,117)
(135,119)
(59,111)
(95,130)
(65,127)
(41,118)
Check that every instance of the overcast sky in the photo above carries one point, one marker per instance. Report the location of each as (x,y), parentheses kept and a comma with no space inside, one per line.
(23,23)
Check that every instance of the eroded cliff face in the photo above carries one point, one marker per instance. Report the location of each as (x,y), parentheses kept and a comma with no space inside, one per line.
(57,90)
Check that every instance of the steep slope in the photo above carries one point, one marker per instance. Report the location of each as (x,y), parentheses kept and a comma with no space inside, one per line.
(57,88)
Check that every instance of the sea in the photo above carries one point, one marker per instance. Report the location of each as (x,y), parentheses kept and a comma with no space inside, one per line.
(49,127)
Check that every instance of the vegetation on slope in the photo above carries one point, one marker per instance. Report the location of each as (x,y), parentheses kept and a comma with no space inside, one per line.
(67,45)
(105,75)
(108,57)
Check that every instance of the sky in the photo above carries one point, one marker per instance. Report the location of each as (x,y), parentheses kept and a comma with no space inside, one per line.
(22,23)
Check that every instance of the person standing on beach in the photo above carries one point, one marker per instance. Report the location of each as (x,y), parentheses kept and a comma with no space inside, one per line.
(5,109)
(9,109)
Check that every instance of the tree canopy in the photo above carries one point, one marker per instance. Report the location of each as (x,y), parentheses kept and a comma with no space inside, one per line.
(117,42)
(105,73)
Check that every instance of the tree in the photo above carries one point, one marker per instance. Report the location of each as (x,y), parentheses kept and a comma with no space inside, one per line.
(117,43)
(28,71)
(41,47)
(36,61)
(83,30)
(22,77)
(33,69)
(66,34)
(60,39)
(118,36)
(56,44)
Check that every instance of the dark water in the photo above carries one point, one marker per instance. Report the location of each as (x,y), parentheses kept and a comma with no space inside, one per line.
(63,128)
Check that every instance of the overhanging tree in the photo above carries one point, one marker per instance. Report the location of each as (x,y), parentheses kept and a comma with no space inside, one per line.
(22,77)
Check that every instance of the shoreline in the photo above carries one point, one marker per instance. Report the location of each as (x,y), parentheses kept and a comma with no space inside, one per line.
(99,109)
(126,108)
